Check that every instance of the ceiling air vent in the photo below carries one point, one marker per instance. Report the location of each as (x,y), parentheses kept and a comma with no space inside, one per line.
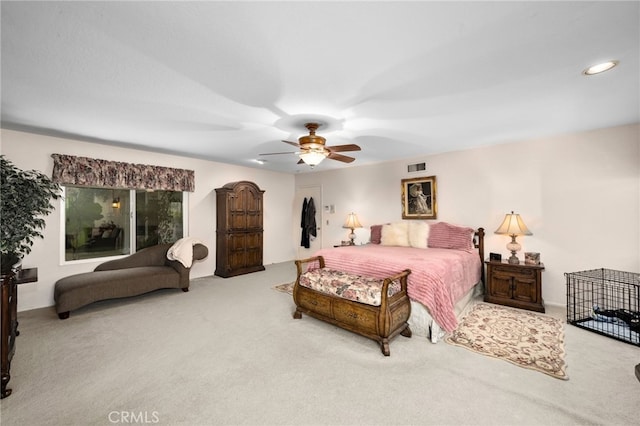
(418,167)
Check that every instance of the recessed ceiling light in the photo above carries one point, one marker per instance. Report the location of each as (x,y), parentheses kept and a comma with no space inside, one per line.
(597,69)
(260,161)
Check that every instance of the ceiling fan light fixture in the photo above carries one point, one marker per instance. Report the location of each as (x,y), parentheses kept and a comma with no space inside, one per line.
(313,158)
(313,149)
(312,140)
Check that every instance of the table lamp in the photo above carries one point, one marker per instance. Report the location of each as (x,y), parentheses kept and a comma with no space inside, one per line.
(352,223)
(513,226)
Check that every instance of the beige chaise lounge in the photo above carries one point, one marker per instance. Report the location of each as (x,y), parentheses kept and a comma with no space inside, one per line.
(142,272)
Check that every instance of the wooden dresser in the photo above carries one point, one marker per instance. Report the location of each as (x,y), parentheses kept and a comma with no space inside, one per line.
(10,320)
(239,229)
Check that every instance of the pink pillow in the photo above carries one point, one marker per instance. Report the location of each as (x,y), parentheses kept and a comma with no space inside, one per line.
(376,234)
(448,236)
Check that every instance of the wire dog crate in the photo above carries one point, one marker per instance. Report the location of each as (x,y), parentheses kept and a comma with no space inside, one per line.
(606,302)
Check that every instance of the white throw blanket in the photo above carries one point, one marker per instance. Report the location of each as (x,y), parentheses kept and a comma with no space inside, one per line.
(182,251)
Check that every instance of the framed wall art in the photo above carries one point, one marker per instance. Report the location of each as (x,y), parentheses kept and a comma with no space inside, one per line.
(419,198)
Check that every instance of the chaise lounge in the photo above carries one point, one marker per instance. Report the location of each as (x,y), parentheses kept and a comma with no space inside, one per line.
(142,272)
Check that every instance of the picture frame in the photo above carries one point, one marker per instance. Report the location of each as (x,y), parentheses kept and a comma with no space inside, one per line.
(532,258)
(419,198)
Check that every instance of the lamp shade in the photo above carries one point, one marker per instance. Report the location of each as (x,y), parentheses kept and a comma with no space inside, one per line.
(352,222)
(513,225)
(313,158)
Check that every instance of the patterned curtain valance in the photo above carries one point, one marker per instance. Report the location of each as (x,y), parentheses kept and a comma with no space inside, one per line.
(84,171)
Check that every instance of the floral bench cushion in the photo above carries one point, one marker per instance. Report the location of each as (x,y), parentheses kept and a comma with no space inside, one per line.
(347,286)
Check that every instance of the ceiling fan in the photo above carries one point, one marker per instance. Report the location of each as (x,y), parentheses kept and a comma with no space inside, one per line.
(313,149)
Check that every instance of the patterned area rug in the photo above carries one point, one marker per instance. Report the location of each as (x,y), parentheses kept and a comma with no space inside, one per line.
(285,288)
(521,337)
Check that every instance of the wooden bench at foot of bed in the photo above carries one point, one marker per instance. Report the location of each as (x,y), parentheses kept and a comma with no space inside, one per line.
(327,295)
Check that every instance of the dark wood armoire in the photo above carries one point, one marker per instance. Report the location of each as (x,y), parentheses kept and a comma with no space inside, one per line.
(239,229)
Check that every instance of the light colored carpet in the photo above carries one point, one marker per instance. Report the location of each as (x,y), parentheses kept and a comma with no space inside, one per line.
(228,352)
(521,337)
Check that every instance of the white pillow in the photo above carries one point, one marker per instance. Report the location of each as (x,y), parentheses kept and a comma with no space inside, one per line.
(395,234)
(418,234)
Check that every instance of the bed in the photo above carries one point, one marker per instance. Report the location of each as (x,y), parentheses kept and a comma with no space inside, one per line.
(447,271)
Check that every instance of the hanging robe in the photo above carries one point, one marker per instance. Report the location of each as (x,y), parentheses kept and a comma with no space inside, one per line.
(311,219)
(304,240)
(308,222)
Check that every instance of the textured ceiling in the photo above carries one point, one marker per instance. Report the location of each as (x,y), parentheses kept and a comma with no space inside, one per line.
(227,81)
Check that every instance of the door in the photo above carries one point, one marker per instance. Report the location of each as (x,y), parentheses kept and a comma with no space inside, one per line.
(524,287)
(308,192)
(501,284)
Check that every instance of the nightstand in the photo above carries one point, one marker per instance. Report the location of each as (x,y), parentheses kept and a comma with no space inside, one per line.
(518,285)
(343,245)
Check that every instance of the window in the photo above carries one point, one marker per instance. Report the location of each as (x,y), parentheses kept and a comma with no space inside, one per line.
(158,217)
(101,222)
(98,221)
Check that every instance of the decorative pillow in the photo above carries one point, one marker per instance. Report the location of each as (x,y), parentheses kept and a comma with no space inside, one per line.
(448,236)
(376,234)
(395,234)
(418,234)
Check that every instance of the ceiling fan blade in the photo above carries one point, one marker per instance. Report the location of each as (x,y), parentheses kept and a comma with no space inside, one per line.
(292,143)
(278,153)
(343,148)
(340,157)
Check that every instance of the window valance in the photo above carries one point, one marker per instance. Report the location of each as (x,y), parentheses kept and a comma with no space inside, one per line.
(84,171)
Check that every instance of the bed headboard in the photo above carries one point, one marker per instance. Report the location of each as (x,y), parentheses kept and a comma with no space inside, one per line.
(478,242)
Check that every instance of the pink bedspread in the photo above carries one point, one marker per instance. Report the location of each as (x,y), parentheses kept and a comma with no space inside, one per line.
(438,279)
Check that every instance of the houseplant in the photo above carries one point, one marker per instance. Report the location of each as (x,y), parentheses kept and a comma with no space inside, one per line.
(25,197)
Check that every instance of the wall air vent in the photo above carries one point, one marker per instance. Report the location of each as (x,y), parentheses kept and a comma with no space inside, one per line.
(418,167)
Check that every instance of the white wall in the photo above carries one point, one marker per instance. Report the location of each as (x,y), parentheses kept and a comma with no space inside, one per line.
(572,191)
(29,151)
(579,195)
